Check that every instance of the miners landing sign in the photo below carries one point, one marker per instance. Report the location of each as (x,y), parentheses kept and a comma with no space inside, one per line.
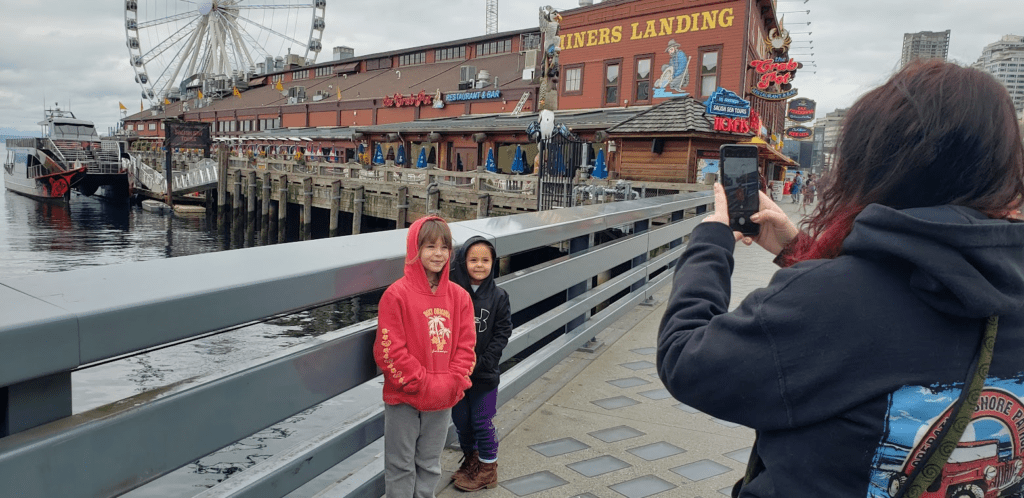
(413,100)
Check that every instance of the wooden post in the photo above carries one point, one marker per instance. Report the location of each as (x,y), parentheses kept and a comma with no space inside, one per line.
(483,206)
(403,208)
(307,208)
(282,210)
(335,206)
(357,210)
(222,188)
(265,211)
(250,220)
(433,199)
(236,192)
(168,170)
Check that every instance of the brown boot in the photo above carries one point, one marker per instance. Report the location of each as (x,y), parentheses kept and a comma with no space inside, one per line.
(486,476)
(470,462)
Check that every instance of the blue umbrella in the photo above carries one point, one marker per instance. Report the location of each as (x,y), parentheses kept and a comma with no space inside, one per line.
(422,161)
(517,163)
(711,166)
(600,169)
(490,161)
(378,156)
(400,157)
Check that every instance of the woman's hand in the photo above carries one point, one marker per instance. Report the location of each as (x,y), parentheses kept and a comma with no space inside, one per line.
(777,230)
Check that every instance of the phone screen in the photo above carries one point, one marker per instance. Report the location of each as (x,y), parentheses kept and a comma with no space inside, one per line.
(741,182)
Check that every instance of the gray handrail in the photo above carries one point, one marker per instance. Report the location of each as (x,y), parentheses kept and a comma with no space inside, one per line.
(53,323)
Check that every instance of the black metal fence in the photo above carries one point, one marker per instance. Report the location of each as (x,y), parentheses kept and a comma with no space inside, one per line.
(561,158)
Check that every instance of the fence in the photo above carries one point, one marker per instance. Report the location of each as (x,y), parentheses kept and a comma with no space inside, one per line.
(53,323)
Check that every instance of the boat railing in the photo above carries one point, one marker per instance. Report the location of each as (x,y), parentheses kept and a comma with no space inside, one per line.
(571,283)
(48,145)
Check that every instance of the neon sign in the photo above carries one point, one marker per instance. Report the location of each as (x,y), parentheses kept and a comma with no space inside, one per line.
(726,103)
(775,73)
(412,100)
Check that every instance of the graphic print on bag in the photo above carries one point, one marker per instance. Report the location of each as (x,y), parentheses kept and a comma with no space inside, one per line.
(988,462)
(440,334)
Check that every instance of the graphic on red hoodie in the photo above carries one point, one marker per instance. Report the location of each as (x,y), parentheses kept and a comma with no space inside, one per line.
(425,340)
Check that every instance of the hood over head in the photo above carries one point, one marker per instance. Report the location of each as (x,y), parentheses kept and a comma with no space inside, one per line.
(414,270)
(461,276)
(961,262)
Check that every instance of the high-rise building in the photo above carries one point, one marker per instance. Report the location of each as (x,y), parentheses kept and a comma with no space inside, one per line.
(925,45)
(1004,59)
(833,126)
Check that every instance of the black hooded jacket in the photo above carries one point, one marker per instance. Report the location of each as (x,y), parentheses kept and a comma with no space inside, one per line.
(845,365)
(493,317)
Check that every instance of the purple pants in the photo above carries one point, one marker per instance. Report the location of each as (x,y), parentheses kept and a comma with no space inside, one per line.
(473,422)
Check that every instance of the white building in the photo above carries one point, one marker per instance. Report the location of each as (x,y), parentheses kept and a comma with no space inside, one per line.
(1004,59)
(925,45)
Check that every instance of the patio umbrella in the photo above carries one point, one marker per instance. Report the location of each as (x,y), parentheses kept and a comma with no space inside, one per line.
(378,156)
(400,157)
(710,166)
(517,163)
(422,161)
(600,168)
(493,168)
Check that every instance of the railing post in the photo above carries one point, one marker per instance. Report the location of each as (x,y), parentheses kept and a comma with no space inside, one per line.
(250,220)
(403,208)
(34,402)
(335,206)
(638,228)
(578,245)
(307,208)
(358,201)
(483,206)
(265,210)
(282,210)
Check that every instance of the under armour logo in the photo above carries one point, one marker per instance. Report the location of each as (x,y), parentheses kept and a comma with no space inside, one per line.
(481,321)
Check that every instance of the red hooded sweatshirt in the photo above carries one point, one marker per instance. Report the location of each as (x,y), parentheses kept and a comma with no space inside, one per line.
(424,340)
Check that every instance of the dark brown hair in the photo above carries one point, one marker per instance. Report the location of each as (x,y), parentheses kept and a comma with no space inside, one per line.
(934,134)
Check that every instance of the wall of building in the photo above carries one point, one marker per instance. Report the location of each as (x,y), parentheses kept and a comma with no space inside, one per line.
(627,33)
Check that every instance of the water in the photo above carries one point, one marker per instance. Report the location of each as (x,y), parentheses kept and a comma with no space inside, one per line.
(38,237)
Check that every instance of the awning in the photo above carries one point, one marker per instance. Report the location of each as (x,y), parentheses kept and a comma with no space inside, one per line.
(351,67)
(262,80)
(768,152)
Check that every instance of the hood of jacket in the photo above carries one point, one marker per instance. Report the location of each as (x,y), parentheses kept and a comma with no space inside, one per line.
(461,277)
(414,270)
(960,261)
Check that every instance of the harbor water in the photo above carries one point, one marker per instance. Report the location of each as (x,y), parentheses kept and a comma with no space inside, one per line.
(37,237)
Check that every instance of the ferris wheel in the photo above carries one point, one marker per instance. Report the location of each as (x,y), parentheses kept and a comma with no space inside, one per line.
(174,43)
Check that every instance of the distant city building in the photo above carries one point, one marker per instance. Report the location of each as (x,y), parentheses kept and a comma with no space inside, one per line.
(925,45)
(818,151)
(833,126)
(1004,59)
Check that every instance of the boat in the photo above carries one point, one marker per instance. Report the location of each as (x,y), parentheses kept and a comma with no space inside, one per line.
(71,143)
(30,171)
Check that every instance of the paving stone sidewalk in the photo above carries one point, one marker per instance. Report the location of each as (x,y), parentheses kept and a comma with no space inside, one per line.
(602,424)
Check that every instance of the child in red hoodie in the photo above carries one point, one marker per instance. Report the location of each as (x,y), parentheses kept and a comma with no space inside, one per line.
(425,340)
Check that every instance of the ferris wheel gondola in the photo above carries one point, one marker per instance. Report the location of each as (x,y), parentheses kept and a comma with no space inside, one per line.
(175,45)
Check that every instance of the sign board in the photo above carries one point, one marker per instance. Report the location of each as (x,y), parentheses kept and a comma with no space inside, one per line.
(458,97)
(398,100)
(187,135)
(801,110)
(726,103)
(799,132)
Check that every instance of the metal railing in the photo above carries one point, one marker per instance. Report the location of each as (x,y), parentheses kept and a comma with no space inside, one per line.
(53,323)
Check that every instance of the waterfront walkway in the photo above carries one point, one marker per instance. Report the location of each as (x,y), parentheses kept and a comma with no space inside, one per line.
(602,424)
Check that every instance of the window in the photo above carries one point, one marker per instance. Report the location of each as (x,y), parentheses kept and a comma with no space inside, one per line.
(611,82)
(709,69)
(410,59)
(643,78)
(384,63)
(572,81)
(494,47)
(277,77)
(141,127)
(530,41)
(444,54)
(152,126)
(324,71)
(300,75)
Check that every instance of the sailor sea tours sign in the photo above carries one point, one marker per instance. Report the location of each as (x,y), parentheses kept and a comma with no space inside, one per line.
(726,103)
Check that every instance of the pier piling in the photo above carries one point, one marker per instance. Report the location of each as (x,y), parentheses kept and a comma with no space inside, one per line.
(335,206)
(237,212)
(222,188)
(403,208)
(483,206)
(265,211)
(357,210)
(250,219)
(282,210)
(307,208)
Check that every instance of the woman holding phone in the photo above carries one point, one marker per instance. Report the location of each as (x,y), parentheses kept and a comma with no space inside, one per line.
(850,363)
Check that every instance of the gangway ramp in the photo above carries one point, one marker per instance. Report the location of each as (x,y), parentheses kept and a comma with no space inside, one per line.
(200,176)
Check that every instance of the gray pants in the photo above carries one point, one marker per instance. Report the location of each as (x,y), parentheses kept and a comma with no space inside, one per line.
(413,441)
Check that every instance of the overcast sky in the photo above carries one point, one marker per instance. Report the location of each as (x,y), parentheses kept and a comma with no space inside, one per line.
(73,51)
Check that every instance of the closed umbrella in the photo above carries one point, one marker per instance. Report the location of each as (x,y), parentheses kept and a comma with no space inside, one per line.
(421,163)
(400,157)
(378,156)
(490,166)
(600,168)
(517,163)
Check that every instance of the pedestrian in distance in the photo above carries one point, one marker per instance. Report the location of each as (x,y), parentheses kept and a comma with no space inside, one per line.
(424,346)
(474,269)
(808,196)
(798,183)
(899,305)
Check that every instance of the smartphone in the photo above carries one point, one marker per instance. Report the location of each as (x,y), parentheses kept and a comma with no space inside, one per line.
(738,174)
